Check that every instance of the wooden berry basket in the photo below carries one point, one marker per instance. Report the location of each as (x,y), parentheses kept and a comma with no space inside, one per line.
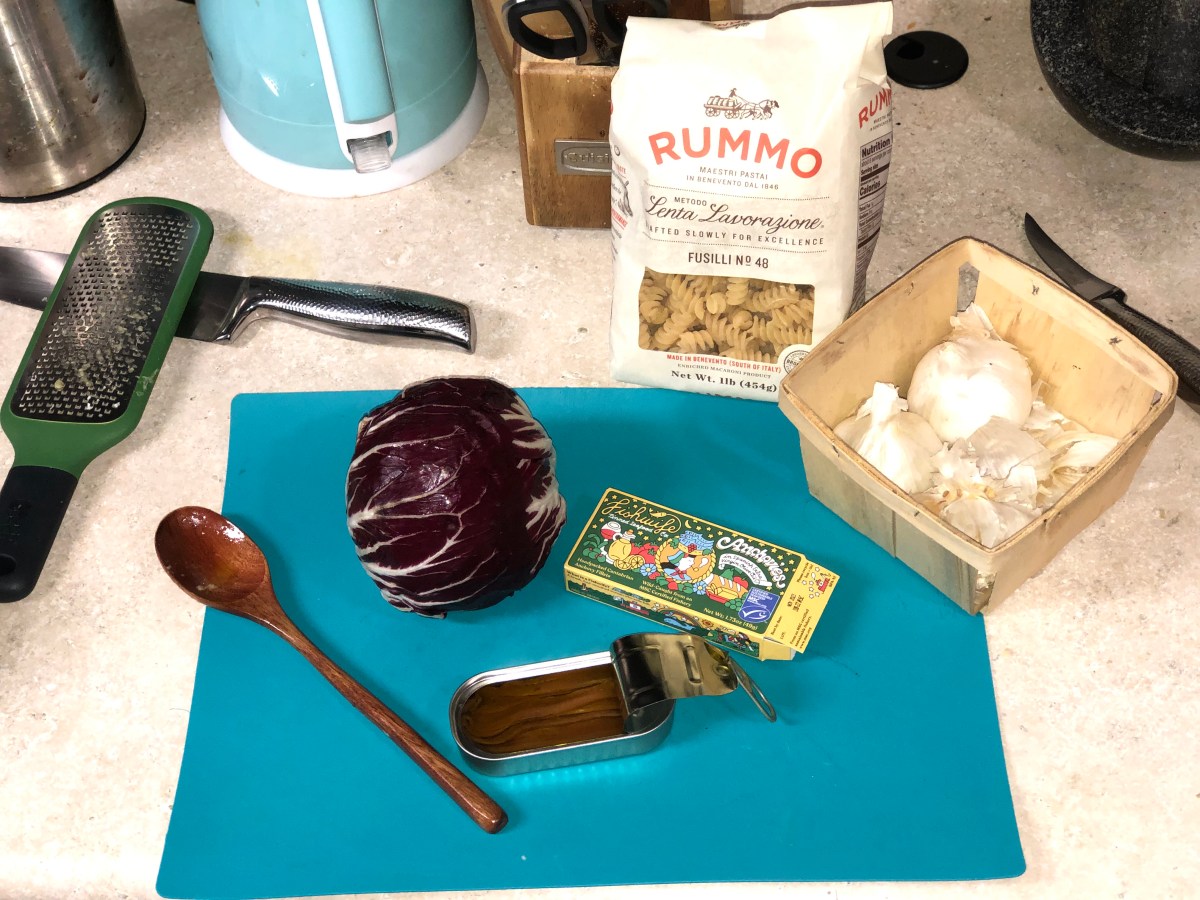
(1093,371)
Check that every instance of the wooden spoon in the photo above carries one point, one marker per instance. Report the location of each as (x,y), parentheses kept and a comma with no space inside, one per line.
(212,560)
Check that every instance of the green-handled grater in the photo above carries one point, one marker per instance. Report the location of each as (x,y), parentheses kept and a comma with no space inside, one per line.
(91,364)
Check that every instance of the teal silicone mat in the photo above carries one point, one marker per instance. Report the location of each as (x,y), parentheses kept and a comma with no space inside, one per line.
(885,764)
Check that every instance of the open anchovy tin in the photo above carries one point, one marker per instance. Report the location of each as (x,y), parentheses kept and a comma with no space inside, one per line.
(598,706)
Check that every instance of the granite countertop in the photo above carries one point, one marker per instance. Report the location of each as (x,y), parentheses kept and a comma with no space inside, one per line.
(1094,660)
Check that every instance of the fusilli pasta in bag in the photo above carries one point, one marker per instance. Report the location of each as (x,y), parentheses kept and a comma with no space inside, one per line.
(749,164)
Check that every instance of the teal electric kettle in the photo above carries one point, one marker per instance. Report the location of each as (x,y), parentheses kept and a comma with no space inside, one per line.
(343,98)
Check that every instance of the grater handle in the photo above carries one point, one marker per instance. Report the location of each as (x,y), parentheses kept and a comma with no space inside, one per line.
(33,502)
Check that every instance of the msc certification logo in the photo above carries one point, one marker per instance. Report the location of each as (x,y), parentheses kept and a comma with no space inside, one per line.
(758,606)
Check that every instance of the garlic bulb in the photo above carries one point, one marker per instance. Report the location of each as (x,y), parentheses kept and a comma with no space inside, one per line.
(896,442)
(970,378)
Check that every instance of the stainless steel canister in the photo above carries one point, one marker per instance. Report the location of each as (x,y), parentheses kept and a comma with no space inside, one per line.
(70,106)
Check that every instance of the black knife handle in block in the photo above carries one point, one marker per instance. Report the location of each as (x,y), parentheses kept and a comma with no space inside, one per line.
(1177,352)
(358,310)
(612,23)
(577,44)
(33,502)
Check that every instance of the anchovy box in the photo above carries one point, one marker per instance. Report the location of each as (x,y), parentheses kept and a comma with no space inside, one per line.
(732,589)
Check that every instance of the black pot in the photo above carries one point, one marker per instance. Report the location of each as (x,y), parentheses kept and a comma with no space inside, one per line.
(1127,70)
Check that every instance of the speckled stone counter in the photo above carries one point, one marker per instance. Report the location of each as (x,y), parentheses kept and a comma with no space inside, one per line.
(1095,660)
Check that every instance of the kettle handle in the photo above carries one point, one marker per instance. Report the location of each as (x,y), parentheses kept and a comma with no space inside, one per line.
(356,72)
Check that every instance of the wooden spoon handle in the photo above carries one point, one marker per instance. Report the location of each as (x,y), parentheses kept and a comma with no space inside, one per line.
(485,811)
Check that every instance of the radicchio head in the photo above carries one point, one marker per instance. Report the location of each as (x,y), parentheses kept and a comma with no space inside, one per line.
(451,497)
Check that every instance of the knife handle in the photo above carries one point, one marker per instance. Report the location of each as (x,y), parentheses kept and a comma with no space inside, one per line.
(370,312)
(1177,352)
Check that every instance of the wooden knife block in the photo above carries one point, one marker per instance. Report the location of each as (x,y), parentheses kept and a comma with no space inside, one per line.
(558,100)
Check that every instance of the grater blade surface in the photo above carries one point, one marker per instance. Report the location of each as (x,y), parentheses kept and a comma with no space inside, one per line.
(89,357)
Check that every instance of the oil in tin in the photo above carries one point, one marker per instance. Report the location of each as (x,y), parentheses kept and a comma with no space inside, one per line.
(558,709)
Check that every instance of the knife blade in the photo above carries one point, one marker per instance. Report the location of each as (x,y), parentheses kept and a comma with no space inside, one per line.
(1176,351)
(1073,275)
(221,306)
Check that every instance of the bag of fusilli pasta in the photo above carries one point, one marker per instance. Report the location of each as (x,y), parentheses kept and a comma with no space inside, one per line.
(749,166)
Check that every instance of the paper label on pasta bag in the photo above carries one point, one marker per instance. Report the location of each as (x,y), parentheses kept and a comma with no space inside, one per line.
(749,164)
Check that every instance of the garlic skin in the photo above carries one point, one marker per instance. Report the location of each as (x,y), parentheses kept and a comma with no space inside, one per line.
(1045,423)
(984,507)
(1079,448)
(1006,452)
(1076,452)
(898,443)
(970,378)
(988,521)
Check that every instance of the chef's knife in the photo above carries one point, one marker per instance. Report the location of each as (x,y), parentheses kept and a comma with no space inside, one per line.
(221,306)
(1176,351)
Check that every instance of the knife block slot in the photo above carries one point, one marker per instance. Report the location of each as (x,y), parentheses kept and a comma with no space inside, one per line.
(558,100)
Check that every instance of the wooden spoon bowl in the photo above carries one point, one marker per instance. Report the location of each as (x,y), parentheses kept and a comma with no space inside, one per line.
(213,561)
(210,558)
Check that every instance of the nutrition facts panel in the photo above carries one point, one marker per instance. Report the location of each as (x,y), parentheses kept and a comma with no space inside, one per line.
(874,160)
